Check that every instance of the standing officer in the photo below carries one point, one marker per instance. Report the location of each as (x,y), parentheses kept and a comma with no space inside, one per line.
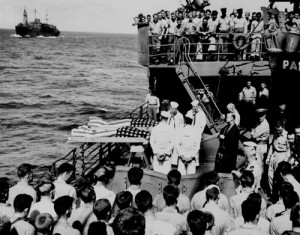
(152,102)
(199,117)
(187,148)
(260,134)
(229,141)
(199,121)
(224,29)
(162,141)
(176,118)
(247,98)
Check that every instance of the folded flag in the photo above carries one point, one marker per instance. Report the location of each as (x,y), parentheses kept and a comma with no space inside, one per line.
(129,131)
(85,131)
(98,127)
(96,123)
(140,122)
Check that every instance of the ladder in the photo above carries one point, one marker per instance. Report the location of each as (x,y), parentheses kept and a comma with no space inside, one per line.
(186,70)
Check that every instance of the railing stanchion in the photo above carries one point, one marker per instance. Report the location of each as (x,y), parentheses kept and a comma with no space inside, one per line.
(109,148)
(100,153)
(141,111)
(218,49)
(53,170)
(74,161)
(82,160)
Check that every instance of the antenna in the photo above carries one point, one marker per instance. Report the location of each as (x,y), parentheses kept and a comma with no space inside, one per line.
(34,13)
(47,16)
(25,18)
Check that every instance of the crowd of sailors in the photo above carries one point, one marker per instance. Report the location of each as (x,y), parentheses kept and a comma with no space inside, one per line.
(211,32)
(56,207)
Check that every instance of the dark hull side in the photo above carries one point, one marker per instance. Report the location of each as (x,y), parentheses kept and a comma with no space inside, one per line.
(282,84)
(154,182)
(225,89)
(46,32)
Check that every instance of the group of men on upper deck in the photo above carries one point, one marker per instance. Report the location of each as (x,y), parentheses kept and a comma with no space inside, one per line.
(210,33)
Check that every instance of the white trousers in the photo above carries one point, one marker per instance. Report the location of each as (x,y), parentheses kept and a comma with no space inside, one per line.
(161,166)
(262,150)
(276,158)
(187,170)
(255,47)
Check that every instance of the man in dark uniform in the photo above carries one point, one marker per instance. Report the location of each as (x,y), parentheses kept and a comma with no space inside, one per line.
(196,5)
(229,140)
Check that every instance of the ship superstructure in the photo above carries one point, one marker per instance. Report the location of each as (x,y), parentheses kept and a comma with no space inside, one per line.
(36,27)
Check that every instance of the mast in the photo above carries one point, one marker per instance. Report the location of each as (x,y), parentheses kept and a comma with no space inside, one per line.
(25,17)
(47,17)
(34,14)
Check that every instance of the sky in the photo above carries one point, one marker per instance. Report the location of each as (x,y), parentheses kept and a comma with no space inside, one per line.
(108,16)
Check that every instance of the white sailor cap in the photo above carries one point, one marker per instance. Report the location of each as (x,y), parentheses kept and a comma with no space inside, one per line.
(261,111)
(249,144)
(249,148)
(165,114)
(189,115)
(174,104)
(212,186)
(195,103)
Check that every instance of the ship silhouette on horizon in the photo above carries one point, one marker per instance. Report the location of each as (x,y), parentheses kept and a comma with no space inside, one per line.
(36,28)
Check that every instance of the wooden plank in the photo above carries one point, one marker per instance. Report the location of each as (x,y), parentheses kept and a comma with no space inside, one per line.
(79,139)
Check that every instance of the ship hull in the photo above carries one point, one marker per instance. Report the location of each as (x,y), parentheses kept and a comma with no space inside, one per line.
(226,89)
(154,182)
(43,31)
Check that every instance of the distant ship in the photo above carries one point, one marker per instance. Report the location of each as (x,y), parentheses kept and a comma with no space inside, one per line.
(36,28)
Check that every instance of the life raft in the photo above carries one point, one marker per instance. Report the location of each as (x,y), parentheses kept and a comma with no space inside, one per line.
(241,37)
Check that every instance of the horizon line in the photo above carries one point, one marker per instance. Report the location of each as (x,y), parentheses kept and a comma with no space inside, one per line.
(67,31)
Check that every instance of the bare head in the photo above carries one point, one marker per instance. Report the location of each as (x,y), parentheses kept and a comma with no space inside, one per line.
(282,108)
(297,131)
(231,107)
(279,127)
(230,117)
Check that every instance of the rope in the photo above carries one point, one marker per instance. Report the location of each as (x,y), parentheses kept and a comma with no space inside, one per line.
(251,32)
(218,90)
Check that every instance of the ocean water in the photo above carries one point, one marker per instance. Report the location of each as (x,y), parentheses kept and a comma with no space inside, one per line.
(50,85)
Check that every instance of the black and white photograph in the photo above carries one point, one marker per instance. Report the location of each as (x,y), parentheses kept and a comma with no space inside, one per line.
(149,117)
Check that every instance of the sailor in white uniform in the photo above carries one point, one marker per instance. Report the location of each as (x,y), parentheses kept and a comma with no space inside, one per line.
(199,121)
(187,147)
(199,117)
(176,119)
(252,164)
(162,141)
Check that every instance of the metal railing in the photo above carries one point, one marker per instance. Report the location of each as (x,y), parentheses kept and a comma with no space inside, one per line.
(162,51)
(89,156)
(139,112)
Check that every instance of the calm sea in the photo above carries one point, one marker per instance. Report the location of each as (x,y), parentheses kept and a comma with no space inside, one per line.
(50,85)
